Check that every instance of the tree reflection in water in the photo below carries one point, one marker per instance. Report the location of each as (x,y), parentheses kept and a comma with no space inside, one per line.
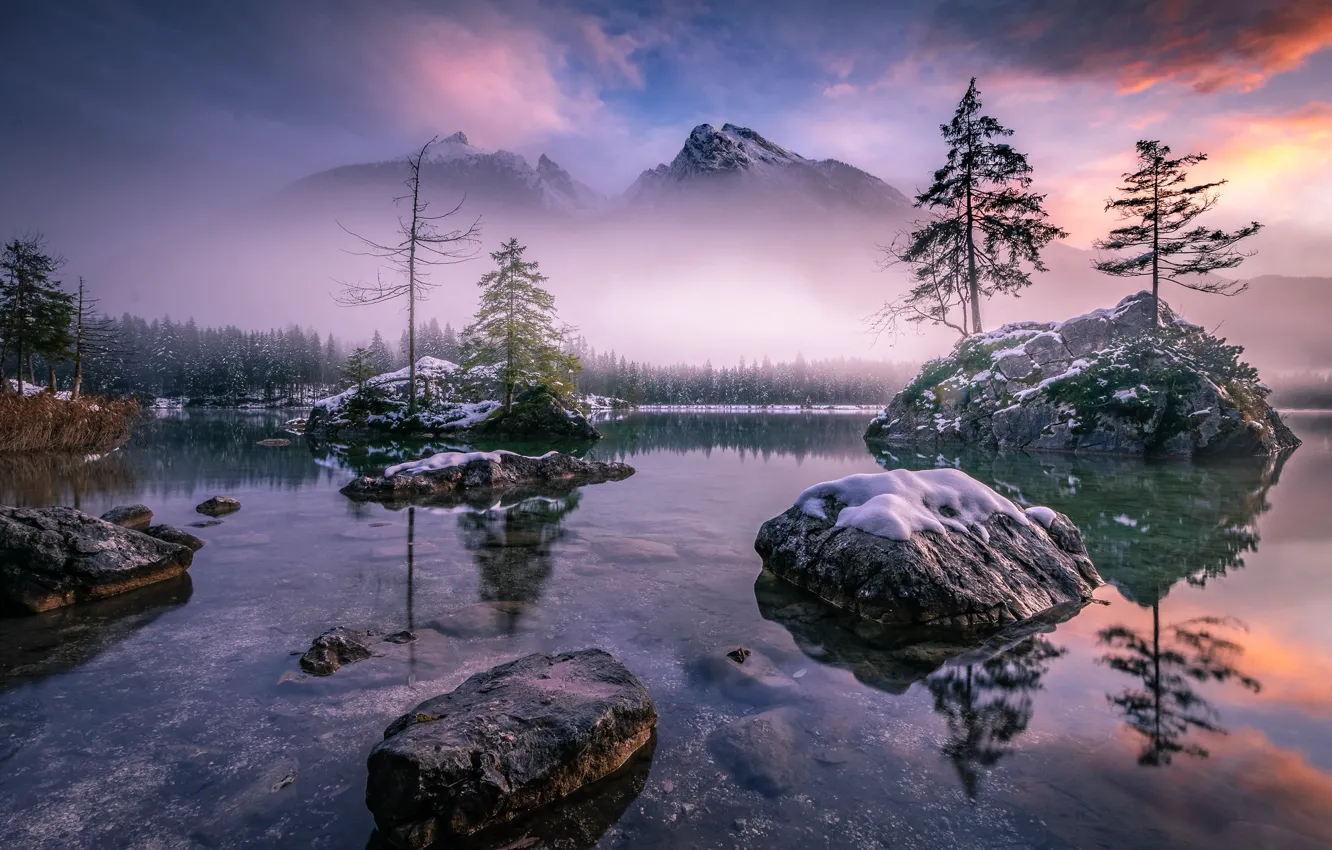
(988,705)
(513,547)
(1170,663)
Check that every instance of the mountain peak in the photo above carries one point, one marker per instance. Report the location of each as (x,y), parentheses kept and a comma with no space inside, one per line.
(459,137)
(736,153)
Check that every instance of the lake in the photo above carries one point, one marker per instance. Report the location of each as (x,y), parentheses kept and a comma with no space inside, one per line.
(1189,710)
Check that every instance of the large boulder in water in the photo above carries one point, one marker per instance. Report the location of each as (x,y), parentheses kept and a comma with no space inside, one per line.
(933,548)
(1109,381)
(505,742)
(51,557)
(458,476)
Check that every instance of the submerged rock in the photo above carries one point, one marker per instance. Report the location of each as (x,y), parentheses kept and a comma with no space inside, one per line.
(1104,382)
(274,442)
(458,474)
(137,517)
(219,506)
(745,676)
(505,742)
(334,648)
(762,752)
(930,548)
(51,557)
(172,534)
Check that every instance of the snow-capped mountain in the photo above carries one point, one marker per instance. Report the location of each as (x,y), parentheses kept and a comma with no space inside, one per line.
(738,159)
(454,167)
(730,164)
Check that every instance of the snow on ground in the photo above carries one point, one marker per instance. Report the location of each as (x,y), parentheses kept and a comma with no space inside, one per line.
(34,389)
(446,460)
(899,503)
(758,408)
(1045,516)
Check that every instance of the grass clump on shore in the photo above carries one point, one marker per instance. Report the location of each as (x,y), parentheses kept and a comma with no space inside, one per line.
(42,422)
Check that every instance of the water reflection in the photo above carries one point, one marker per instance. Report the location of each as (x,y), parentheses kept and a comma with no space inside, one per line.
(41,645)
(801,435)
(1148,525)
(39,479)
(1171,663)
(988,705)
(513,543)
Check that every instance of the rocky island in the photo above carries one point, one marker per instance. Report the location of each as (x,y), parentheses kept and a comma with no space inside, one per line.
(1110,381)
(480,476)
(378,407)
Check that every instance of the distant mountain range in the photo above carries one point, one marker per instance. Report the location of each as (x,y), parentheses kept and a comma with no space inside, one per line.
(732,163)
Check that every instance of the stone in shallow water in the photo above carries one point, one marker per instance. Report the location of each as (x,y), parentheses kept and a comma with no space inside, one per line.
(172,534)
(937,559)
(218,506)
(334,648)
(762,752)
(505,742)
(51,557)
(752,680)
(137,517)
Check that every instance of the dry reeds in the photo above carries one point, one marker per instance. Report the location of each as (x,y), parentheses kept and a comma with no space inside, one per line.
(43,423)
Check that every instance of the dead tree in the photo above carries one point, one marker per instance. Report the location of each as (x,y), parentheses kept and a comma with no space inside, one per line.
(424,244)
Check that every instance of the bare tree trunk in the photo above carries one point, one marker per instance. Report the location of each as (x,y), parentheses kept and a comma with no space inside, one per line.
(51,375)
(78,349)
(411,288)
(1156,247)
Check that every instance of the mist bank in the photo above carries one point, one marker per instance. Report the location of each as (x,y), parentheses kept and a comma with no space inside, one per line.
(710,280)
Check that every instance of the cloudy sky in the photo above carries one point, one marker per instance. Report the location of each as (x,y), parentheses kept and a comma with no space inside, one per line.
(114,111)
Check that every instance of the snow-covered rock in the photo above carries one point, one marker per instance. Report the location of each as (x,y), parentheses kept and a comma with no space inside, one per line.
(930,548)
(739,159)
(1103,382)
(381,406)
(481,477)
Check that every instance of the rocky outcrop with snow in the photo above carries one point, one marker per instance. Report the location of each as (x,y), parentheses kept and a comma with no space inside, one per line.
(1104,382)
(935,548)
(473,476)
(504,743)
(379,408)
(738,159)
(51,557)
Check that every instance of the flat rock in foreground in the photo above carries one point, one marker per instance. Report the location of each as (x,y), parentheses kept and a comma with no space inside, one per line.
(51,557)
(931,548)
(505,742)
(456,474)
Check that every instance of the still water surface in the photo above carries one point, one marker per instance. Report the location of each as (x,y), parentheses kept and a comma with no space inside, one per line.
(1190,710)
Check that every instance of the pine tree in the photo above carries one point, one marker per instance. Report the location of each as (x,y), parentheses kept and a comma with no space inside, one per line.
(380,358)
(35,313)
(94,335)
(514,329)
(986,224)
(1164,206)
(359,368)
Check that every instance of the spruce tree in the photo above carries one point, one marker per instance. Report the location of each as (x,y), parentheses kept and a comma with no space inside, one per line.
(1158,199)
(986,225)
(359,368)
(380,359)
(514,331)
(35,313)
